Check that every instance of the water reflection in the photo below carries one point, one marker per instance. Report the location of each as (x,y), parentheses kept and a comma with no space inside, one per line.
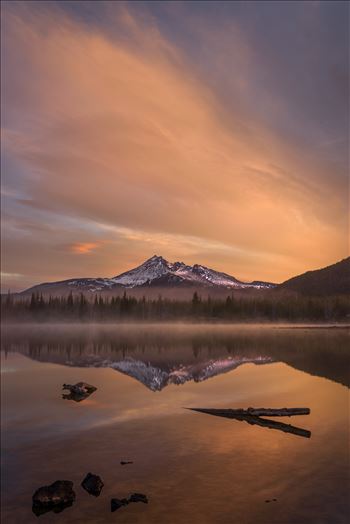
(209,468)
(158,356)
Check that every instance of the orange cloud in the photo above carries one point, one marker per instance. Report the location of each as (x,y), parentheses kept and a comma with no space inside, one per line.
(84,248)
(121,132)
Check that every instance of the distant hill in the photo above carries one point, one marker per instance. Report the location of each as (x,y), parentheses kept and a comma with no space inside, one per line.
(331,280)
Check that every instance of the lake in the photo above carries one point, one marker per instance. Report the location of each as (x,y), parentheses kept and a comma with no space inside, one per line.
(194,467)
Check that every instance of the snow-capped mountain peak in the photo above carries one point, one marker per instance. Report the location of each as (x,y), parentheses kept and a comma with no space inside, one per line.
(151,269)
(157,267)
(156,272)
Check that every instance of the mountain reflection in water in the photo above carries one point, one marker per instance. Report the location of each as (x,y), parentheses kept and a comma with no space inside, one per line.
(158,355)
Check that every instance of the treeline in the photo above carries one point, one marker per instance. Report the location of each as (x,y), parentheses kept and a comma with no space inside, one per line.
(265,308)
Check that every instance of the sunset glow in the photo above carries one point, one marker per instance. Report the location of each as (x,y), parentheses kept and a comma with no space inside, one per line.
(82,249)
(125,135)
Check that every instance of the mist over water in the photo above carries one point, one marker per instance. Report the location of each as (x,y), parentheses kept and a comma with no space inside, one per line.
(209,469)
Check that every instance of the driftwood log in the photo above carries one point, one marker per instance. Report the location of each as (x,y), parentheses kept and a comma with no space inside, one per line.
(257,412)
(245,416)
(272,424)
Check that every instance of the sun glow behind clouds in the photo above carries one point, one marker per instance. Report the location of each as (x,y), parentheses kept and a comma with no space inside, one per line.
(117,128)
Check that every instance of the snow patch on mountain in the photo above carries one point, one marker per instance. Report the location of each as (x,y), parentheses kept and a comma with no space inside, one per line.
(157,267)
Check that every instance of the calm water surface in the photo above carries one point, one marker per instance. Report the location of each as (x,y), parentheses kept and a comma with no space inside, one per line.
(194,468)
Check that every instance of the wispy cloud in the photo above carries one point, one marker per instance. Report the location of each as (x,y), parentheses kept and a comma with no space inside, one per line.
(119,129)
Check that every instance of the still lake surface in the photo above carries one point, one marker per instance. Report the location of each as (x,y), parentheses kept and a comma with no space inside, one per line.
(193,467)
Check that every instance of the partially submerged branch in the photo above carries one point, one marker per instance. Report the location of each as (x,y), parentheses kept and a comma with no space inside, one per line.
(272,424)
(243,415)
(258,412)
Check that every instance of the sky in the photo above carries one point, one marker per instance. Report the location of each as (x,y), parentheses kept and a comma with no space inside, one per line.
(206,132)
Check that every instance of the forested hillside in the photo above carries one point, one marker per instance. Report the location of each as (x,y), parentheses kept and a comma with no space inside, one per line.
(269,307)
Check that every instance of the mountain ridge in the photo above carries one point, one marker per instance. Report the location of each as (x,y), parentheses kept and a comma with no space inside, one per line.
(155,272)
(158,276)
(330,280)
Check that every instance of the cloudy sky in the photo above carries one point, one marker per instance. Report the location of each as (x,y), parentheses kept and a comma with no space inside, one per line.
(207,132)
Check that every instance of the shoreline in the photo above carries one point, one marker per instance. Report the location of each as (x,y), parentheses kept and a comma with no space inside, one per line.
(187,323)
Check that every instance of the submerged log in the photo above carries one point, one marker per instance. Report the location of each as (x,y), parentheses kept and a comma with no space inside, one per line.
(272,424)
(253,419)
(257,412)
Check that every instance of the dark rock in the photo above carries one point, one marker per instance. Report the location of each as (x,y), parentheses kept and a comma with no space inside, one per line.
(134,497)
(79,391)
(80,387)
(56,497)
(268,500)
(92,484)
(124,462)
(118,503)
(138,497)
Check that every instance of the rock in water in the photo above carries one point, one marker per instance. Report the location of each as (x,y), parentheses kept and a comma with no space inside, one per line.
(118,503)
(79,391)
(56,497)
(134,497)
(84,387)
(92,484)
(138,497)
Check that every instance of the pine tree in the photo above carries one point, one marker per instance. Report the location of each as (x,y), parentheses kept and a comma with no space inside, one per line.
(33,302)
(196,301)
(70,302)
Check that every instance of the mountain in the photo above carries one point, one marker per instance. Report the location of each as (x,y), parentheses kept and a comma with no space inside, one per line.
(331,280)
(156,378)
(178,280)
(157,273)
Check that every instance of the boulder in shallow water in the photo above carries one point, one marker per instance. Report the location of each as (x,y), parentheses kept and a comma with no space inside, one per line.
(138,497)
(56,497)
(92,484)
(79,391)
(118,503)
(134,497)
